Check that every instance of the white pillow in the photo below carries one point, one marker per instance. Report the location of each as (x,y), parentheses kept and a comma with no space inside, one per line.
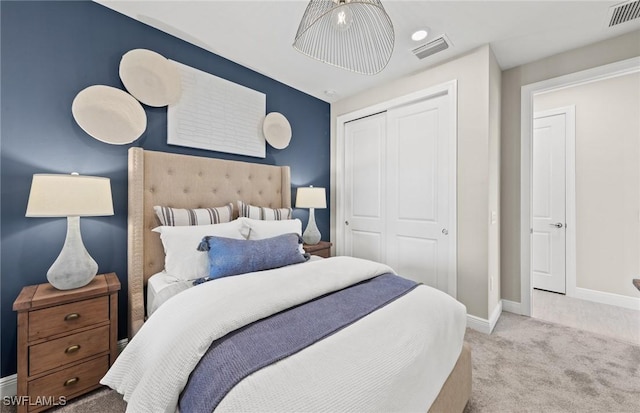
(181,257)
(259,229)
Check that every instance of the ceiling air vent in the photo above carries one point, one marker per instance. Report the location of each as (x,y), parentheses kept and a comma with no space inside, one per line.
(624,12)
(436,45)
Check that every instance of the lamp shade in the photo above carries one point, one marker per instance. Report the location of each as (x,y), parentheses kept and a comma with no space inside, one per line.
(356,35)
(310,197)
(58,195)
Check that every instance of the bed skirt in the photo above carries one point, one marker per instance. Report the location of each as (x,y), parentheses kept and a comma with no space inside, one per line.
(456,391)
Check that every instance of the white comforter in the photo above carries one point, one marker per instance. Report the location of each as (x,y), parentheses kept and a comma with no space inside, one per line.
(395,359)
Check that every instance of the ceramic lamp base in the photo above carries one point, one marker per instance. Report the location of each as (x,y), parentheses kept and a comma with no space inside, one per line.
(311,234)
(74,267)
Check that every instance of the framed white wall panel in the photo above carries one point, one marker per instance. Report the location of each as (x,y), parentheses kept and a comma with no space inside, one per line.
(217,115)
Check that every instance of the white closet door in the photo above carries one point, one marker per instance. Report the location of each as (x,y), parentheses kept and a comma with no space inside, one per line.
(365,188)
(418,199)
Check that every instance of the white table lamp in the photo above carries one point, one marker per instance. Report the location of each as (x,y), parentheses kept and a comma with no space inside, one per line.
(310,197)
(72,196)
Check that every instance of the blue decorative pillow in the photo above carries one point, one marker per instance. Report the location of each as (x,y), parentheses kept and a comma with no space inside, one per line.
(229,256)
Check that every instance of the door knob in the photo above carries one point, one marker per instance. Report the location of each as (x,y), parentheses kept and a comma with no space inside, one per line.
(445,231)
(557,225)
(346,222)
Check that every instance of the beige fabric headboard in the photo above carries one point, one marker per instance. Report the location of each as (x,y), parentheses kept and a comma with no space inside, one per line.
(183,181)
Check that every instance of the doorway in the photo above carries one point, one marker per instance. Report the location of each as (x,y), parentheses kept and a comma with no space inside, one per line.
(594,288)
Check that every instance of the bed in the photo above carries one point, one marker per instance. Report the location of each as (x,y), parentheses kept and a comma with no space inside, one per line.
(182,181)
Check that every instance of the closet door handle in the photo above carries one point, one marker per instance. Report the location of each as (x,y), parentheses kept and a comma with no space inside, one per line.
(557,225)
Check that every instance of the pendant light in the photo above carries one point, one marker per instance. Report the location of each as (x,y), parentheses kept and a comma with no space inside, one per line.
(356,35)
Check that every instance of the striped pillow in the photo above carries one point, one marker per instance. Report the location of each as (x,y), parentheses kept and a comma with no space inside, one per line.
(201,216)
(263,213)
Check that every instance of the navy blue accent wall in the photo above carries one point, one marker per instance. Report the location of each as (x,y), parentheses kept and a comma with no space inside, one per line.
(50,51)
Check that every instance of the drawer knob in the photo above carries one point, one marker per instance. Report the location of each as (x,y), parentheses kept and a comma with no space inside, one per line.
(72,316)
(71,381)
(72,349)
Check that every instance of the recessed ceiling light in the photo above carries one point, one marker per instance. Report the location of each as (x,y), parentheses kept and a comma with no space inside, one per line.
(331,93)
(419,35)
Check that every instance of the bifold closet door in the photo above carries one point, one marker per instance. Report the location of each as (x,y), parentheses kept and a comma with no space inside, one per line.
(364,188)
(418,209)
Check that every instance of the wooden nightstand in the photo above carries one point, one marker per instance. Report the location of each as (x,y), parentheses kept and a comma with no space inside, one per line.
(66,340)
(321,249)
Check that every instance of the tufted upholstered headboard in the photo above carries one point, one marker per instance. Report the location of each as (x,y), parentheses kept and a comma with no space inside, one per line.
(183,181)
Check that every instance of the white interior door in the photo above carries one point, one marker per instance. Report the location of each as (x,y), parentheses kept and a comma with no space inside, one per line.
(418,206)
(364,188)
(548,237)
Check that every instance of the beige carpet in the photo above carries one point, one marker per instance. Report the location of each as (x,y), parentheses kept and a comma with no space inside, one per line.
(607,320)
(525,365)
(528,365)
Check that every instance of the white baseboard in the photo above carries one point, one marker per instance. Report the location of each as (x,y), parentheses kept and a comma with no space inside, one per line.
(495,316)
(601,297)
(483,325)
(512,307)
(479,324)
(9,384)
(588,295)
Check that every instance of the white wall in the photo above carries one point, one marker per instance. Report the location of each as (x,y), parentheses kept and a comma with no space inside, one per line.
(474,244)
(495,84)
(597,54)
(607,180)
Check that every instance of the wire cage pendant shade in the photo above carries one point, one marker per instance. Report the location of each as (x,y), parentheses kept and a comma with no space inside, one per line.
(356,35)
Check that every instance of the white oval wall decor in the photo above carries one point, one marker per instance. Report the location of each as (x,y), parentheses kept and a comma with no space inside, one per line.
(150,77)
(109,115)
(277,130)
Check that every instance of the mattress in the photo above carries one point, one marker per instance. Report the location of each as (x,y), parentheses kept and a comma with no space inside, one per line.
(395,359)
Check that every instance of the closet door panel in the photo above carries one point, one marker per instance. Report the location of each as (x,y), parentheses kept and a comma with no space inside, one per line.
(417,182)
(419,258)
(367,245)
(364,190)
(417,174)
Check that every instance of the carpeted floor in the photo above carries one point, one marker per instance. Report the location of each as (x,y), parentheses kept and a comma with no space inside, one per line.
(525,365)
(528,365)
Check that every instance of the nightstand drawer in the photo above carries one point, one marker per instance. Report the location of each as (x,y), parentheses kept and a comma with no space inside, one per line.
(321,253)
(72,380)
(321,249)
(60,319)
(55,353)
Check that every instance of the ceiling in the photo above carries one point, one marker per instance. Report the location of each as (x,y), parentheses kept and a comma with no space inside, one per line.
(259,34)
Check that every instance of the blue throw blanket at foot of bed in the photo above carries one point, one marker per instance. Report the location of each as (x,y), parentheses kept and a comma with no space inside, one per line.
(248,349)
